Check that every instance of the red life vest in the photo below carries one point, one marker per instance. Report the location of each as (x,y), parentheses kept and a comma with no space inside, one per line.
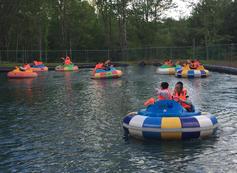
(99,66)
(38,62)
(182,96)
(67,61)
(196,64)
(26,66)
(164,94)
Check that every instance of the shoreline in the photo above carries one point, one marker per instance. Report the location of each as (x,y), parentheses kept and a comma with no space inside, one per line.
(210,67)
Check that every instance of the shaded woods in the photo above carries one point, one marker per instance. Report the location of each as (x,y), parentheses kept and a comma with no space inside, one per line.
(112,24)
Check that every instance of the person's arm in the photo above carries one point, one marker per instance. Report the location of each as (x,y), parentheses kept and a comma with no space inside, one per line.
(188,102)
(150,101)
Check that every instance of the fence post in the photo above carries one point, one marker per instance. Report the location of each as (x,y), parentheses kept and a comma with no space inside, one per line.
(194,48)
(70,52)
(171,52)
(16,56)
(207,53)
(24,56)
(40,54)
(7,55)
(108,57)
(46,56)
(231,52)
(87,57)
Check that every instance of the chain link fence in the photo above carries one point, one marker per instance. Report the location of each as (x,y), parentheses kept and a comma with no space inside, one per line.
(223,53)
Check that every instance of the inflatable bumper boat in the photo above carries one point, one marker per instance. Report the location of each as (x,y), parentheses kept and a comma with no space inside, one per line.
(106,73)
(17,73)
(167,119)
(70,67)
(186,72)
(165,69)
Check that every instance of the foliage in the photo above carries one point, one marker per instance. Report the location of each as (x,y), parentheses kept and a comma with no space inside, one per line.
(112,24)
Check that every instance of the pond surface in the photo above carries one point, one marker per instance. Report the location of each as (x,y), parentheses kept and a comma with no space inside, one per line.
(67,122)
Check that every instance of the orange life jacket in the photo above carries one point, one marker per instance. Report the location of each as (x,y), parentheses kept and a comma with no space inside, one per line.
(196,64)
(67,61)
(99,66)
(164,94)
(26,66)
(182,96)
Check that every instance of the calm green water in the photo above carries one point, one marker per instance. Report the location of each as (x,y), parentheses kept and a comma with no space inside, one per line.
(66,122)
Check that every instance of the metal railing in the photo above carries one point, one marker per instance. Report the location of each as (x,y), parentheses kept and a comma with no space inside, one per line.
(222,52)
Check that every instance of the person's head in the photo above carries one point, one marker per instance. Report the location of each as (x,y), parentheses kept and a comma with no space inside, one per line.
(179,86)
(164,85)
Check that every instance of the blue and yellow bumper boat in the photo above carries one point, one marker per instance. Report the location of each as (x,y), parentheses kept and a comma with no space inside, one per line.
(167,119)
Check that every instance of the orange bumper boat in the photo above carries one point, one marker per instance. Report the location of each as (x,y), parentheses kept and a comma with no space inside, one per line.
(17,73)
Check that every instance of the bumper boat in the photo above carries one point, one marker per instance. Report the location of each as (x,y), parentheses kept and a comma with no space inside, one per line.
(70,67)
(167,119)
(166,69)
(186,72)
(17,73)
(106,73)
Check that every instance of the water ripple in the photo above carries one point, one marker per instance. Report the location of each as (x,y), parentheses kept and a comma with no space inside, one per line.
(66,122)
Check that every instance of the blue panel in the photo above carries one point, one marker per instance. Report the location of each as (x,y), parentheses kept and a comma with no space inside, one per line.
(152,122)
(190,72)
(165,108)
(189,122)
(213,120)
(153,135)
(38,66)
(203,73)
(105,70)
(188,135)
(127,119)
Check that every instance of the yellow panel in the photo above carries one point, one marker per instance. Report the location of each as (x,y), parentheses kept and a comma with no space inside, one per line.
(184,73)
(170,123)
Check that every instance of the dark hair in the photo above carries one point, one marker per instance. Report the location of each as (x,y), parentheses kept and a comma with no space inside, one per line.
(164,85)
(180,83)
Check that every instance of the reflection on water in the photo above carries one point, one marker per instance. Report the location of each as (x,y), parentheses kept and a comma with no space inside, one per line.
(66,122)
(22,94)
